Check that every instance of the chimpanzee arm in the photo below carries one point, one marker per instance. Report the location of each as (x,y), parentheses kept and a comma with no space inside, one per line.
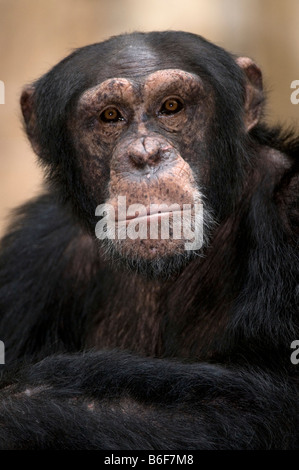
(43,284)
(111,400)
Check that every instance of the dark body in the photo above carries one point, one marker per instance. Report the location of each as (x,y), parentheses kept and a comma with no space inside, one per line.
(135,345)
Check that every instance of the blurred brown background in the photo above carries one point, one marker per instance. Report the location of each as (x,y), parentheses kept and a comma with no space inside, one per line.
(35,34)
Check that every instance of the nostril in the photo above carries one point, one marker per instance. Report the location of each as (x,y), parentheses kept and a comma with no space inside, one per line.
(145,159)
(139,159)
(155,157)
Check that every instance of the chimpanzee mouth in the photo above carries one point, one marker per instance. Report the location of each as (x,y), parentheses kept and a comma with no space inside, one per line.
(152,215)
(179,224)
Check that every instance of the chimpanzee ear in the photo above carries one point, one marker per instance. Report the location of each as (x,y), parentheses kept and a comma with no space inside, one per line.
(27,106)
(254,91)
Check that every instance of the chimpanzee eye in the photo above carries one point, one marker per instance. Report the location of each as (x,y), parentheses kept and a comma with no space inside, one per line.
(171,106)
(111,114)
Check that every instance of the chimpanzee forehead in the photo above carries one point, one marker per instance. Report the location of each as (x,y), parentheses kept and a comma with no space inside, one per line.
(134,61)
(138,60)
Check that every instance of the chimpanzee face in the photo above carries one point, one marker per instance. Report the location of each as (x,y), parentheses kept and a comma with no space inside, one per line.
(146,135)
(148,144)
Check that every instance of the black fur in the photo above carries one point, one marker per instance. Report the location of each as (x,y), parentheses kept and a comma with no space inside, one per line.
(198,361)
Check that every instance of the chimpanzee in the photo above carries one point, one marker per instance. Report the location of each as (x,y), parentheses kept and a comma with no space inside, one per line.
(146,342)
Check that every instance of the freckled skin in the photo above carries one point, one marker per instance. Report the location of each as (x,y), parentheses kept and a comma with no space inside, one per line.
(147,155)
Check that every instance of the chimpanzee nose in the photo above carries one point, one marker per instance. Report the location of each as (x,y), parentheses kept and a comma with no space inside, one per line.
(145,151)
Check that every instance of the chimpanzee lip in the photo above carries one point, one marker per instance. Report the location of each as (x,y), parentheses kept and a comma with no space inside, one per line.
(151,214)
